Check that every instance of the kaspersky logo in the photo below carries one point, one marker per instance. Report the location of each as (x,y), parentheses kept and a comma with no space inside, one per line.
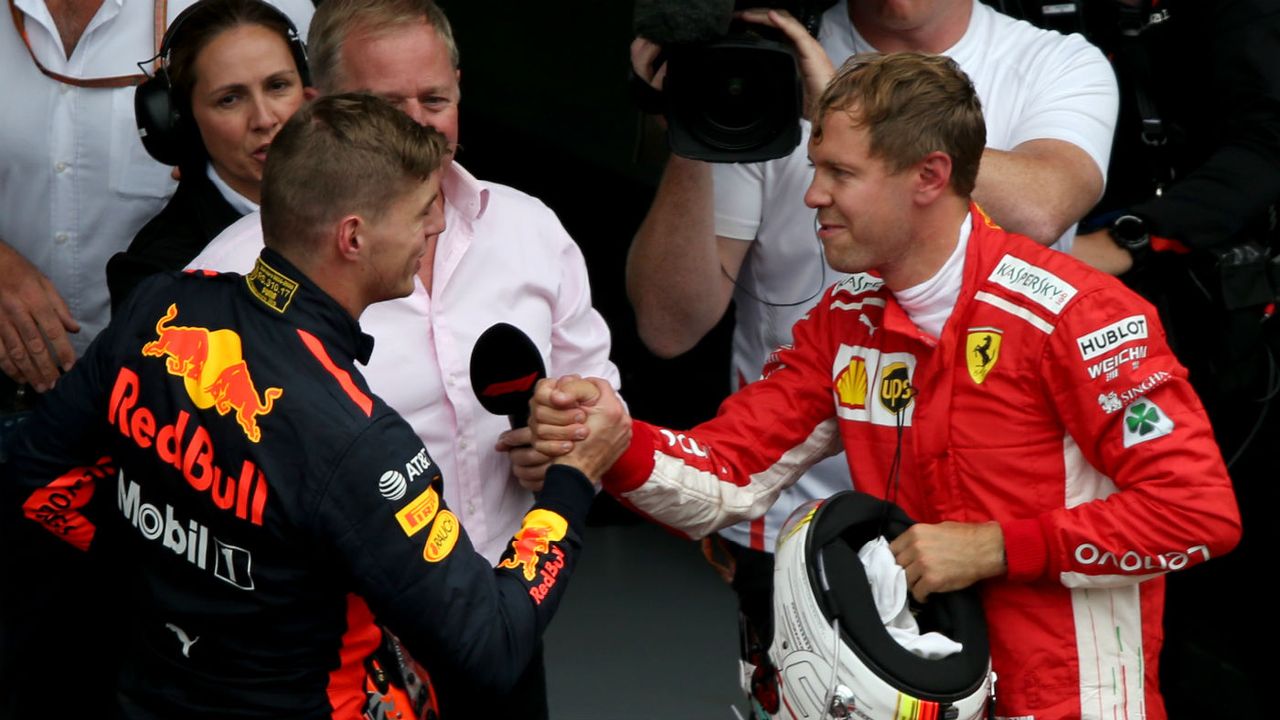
(532,542)
(213,371)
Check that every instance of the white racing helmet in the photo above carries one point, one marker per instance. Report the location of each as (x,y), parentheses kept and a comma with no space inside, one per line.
(832,654)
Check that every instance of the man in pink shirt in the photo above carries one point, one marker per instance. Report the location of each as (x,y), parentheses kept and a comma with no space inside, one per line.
(503,257)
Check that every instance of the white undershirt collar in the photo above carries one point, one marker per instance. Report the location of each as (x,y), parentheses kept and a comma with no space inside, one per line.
(242,204)
(930,303)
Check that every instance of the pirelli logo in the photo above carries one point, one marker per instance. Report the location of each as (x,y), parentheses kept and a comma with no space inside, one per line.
(419,512)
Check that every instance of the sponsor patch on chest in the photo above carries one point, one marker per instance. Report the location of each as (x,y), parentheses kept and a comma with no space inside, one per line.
(1036,284)
(875,387)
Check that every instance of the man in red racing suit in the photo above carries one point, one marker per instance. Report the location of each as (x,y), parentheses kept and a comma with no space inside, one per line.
(1048,415)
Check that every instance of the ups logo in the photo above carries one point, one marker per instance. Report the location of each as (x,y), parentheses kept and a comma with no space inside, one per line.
(895,387)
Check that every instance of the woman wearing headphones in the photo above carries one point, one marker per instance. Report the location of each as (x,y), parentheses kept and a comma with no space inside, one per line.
(234,71)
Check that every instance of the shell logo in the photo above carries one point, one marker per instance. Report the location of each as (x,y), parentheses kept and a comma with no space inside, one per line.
(851,385)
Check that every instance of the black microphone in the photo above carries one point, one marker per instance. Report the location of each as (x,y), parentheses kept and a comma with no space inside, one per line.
(505,365)
(681,22)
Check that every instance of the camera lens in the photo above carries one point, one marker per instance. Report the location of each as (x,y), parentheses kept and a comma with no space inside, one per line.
(736,99)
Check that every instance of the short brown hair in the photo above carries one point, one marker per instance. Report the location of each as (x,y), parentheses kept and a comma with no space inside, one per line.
(912,104)
(341,154)
(336,20)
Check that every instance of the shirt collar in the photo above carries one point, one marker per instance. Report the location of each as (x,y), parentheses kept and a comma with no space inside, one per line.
(242,204)
(280,287)
(464,192)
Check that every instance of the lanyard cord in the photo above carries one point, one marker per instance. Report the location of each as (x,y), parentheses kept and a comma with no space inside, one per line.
(895,467)
(19,22)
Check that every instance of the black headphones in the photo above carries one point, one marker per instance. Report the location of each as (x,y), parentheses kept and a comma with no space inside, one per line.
(162,119)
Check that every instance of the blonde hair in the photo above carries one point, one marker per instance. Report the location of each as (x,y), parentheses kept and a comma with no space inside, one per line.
(342,154)
(335,21)
(912,104)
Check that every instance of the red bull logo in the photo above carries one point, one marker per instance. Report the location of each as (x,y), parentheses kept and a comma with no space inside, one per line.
(187,347)
(528,547)
(187,447)
(532,543)
(213,371)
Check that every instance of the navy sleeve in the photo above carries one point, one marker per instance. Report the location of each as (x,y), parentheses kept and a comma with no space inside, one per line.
(411,560)
(58,455)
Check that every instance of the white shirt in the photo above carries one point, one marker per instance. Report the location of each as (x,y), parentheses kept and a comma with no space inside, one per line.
(503,257)
(240,203)
(1033,83)
(75,182)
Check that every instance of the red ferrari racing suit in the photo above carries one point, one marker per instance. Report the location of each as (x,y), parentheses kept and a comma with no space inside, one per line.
(1051,404)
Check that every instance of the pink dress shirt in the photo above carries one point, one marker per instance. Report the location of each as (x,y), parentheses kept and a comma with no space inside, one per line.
(503,257)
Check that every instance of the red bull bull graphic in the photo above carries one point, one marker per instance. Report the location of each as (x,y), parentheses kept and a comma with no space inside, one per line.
(186,446)
(187,347)
(532,544)
(233,390)
(213,371)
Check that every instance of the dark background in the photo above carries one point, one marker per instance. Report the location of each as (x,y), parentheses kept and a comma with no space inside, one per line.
(545,109)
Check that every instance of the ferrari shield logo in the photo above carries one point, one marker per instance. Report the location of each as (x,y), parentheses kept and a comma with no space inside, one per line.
(982,351)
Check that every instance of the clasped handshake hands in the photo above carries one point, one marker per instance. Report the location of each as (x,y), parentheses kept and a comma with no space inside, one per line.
(579,422)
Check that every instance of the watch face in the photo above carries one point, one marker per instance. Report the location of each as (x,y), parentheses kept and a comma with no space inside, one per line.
(1130,230)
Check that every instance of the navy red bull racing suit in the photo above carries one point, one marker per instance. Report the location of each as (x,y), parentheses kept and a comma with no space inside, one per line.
(272,514)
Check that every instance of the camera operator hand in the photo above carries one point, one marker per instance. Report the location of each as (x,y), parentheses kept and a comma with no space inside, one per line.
(815,67)
(643,53)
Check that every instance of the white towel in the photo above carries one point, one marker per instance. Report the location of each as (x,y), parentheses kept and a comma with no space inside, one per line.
(889,588)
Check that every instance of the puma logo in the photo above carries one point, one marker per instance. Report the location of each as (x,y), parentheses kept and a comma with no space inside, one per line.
(871,327)
(186,641)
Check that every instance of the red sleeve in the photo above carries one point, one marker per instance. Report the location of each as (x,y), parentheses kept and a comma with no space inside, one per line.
(1150,492)
(764,437)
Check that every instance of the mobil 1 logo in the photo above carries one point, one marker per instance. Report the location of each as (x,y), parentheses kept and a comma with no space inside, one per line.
(189,540)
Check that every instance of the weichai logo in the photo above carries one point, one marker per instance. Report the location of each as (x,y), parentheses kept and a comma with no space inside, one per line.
(186,445)
(213,371)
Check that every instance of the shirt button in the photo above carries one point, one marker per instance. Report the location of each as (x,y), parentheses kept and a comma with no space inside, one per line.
(60,167)
(64,88)
(471,508)
(462,444)
(60,238)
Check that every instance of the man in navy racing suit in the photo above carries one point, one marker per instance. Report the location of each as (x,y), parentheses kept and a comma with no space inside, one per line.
(268,507)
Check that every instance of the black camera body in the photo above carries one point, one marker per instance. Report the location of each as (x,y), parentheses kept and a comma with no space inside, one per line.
(736,94)
(737,99)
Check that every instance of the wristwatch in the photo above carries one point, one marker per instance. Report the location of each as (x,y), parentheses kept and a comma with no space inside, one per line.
(1130,232)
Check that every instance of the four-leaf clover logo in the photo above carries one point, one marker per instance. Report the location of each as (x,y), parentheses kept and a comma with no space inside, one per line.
(1142,418)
